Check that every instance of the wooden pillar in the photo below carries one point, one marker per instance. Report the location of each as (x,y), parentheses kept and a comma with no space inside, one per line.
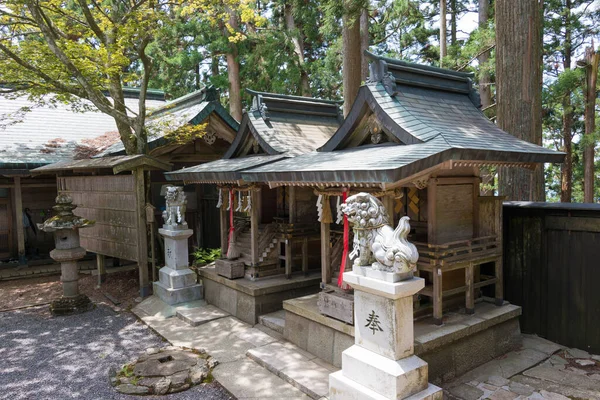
(476,207)
(224,222)
(101,264)
(388,203)
(325,255)
(437,296)
(499,282)
(305,255)
(431,214)
(292,204)
(142,237)
(19,221)
(288,258)
(254,222)
(469,292)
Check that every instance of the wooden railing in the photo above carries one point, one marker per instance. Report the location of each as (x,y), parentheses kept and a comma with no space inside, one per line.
(458,252)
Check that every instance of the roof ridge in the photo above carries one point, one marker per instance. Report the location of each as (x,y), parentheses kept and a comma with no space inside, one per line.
(293,97)
(207,93)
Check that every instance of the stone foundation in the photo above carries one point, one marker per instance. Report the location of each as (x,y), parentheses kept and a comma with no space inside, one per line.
(71,305)
(462,343)
(247,300)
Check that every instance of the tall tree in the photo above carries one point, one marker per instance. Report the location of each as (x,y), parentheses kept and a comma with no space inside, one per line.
(443,31)
(297,39)
(352,57)
(485,90)
(76,51)
(519,89)
(592,59)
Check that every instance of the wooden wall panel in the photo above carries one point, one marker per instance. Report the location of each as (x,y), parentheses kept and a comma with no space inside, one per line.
(111,202)
(454,213)
(551,270)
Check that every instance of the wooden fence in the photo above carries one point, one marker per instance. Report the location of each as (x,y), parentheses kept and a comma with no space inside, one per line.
(110,201)
(552,270)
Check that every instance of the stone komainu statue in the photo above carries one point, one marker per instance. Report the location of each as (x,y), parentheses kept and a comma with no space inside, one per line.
(376,243)
(174,213)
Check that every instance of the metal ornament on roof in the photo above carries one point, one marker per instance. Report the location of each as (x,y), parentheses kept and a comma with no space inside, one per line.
(210,137)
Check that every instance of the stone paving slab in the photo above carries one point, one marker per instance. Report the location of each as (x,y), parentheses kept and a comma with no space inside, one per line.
(292,364)
(200,315)
(274,321)
(228,340)
(540,344)
(247,380)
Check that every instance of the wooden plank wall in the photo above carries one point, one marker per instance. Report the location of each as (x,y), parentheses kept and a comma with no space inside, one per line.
(552,270)
(111,202)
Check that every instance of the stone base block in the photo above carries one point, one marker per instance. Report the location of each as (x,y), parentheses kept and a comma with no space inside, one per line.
(176,278)
(176,296)
(230,269)
(71,305)
(392,379)
(342,388)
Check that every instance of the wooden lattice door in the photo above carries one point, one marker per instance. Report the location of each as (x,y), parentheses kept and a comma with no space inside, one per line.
(5,231)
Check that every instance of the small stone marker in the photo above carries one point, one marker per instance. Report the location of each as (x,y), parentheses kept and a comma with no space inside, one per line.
(176,281)
(381,364)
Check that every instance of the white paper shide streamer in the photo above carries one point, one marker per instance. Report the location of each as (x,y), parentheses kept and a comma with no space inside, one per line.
(239,206)
(220,202)
(320,206)
(340,214)
(249,205)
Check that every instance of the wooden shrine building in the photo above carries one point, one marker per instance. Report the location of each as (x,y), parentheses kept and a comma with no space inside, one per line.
(111,187)
(416,137)
(267,232)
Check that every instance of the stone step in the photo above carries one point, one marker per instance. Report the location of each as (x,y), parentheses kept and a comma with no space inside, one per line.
(201,315)
(297,367)
(274,321)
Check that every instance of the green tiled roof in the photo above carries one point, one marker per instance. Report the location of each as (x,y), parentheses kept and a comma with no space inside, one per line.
(432,113)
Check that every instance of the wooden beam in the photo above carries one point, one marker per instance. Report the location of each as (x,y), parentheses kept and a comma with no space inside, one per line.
(469,291)
(224,223)
(254,222)
(476,207)
(437,296)
(325,255)
(288,258)
(499,289)
(100,263)
(305,255)
(19,221)
(292,203)
(431,211)
(388,203)
(142,238)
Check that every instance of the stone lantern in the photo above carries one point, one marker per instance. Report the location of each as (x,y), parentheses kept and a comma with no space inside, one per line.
(65,226)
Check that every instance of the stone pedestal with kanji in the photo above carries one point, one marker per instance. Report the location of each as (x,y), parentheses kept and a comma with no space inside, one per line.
(176,281)
(381,364)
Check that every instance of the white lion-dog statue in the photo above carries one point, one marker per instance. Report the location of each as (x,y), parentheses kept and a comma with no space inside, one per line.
(176,202)
(376,243)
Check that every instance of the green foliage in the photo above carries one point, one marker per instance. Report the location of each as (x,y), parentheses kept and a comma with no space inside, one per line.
(205,256)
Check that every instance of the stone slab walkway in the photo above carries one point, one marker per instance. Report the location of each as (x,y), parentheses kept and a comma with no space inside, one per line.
(231,341)
(540,370)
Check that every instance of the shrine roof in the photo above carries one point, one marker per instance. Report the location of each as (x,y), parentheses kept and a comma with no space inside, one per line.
(193,109)
(37,133)
(428,115)
(276,127)
(116,164)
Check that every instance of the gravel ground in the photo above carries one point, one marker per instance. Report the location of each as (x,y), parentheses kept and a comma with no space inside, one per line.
(45,357)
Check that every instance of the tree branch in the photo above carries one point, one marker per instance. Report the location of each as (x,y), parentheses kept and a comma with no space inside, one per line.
(476,57)
(91,21)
